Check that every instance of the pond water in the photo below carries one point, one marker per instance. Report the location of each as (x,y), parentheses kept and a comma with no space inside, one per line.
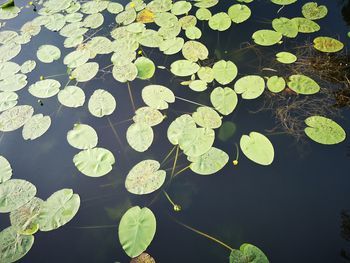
(291,209)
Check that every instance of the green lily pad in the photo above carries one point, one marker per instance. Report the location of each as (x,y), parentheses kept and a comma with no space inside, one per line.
(94,162)
(101,103)
(145,178)
(257,148)
(287,27)
(193,32)
(179,127)
(303,85)
(76,58)
(145,68)
(210,162)
(5,169)
(139,136)
(148,116)
(313,11)
(203,14)
(82,137)
(324,130)
(206,117)
(15,117)
(195,142)
(157,96)
(126,72)
(224,71)
(14,193)
(181,7)
(48,53)
(136,230)
(14,246)
(283,2)
(36,126)
(286,57)
(13,83)
(276,84)
(306,25)
(224,100)
(28,66)
(251,86)
(194,51)
(266,37)
(198,85)
(239,13)
(58,209)
(8,100)
(71,96)
(206,74)
(8,69)
(44,88)
(328,44)
(248,253)
(171,46)
(85,72)
(220,21)
(184,68)
(25,218)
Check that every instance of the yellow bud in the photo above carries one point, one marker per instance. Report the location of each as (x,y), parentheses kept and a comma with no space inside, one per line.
(71,77)
(139,52)
(132,5)
(30,3)
(235,162)
(41,77)
(177,208)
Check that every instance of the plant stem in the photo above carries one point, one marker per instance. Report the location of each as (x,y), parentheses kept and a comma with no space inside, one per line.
(168,155)
(131,97)
(182,170)
(237,151)
(168,197)
(190,101)
(114,132)
(175,161)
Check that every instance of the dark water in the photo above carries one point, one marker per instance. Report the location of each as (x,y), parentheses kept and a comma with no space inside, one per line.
(291,209)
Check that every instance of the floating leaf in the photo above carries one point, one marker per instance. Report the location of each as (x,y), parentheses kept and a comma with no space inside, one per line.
(8,100)
(195,142)
(5,169)
(206,117)
(276,84)
(328,44)
(145,16)
(306,25)
(145,68)
(36,126)
(184,68)
(179,127)
(206,74)
(287,27)
(251,86)
(14,193)
(148,115)
(15,117)
(58,209)
(198,85)
(257,148)
(101,103)
(313,11)
(136,230)
(82,137)
(266,37)
(224,100)
(145,178)
(248,253)
(139,136)
(125,73)
(76,58)
(303,85)
(8,69)
(194,50)
(94,162)
(48,53)
(324,130)
(157,96)
(224,71)
(220,21)
(143,258)
(210,162)
(203,14)
(283,2)
(14,246)
(71,96)
(28,66)
(85,72)
(239,13)
(286,57)
(25,218)
(44,88)
(171,46)
(181,8)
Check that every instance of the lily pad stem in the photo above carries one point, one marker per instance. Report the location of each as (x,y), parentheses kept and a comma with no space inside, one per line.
(182,170)
(131,97)
(190,101)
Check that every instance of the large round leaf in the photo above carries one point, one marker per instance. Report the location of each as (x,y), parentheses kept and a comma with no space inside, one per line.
(8,100)
(58,209)
(14,193)
(313,11)
(266,37)
(71,96)
(251,86)
(85,72)
(239,13)
(14,246)
(184,68)
(206,117)
(82,137)
(224,100)
(44,88)
(276,84)
(179,127)
(148,115)
(15,117)
(5,169)
(157,96)
(136,230)
(36,126)
(194,50)
(324,130)
(224,71)
(210,162)
(101,103)
(248,253)
(48,53)
(287,27)
(257,148)
(328,44)
(139,136)
(196,142)
(94,162)
(145,178)
(220,21)
(303,85)
(145,68)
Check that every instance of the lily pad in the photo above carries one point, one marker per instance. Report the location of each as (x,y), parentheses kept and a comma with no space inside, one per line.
(145,68)
(101,103)
(196,142)
(94,162)
(257,148)
(14,193)
(15,117)
(58,209)
(283,2)
(206,117)
(44,88)
(266,37)
(148,115)
(126,72)
(145,178)
(287,27)
(71,96)
(248,253)
(224,71)
(82,137)
(210,162)
(139,136)
(157,96)
(286,57)
(85,72)
(184,68)
(220,21)
(306,25)
(224,100)
(303,85)
(239,13)
(194,51)
(328,44)
(48,53)
(5,169)
(136,230)
(180,127)
(313,11)
(251,86)
(8,100)
(36,126)
(276,84)
(324,130)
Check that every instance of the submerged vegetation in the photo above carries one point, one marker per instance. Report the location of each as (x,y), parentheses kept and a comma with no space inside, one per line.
(304,88)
